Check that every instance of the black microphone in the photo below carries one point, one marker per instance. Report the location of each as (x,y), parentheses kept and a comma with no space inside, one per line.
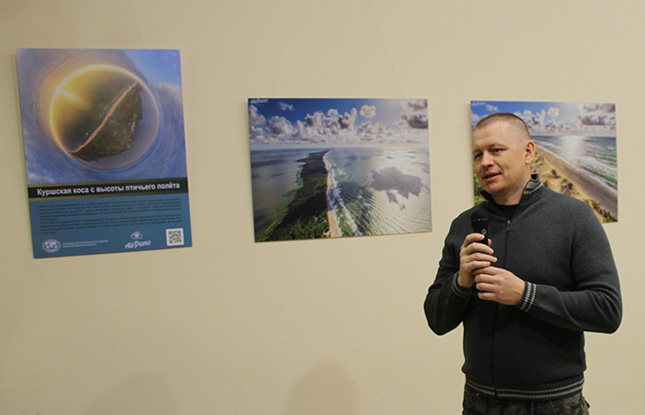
(479,223)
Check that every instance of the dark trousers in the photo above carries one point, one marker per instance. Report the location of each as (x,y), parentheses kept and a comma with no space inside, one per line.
(476,403)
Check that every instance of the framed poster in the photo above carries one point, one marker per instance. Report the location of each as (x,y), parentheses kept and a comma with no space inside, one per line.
(105,155)
(576,151)
(326,168)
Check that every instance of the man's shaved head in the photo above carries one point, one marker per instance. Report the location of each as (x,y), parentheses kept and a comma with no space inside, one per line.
(519,127)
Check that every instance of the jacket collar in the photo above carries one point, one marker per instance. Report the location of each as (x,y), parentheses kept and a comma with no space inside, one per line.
(532,191)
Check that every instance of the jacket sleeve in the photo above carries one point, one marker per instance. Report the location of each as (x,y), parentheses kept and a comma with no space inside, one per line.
(447,302)
(595,304)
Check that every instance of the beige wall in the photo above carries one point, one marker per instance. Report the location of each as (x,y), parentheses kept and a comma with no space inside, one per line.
(311,327)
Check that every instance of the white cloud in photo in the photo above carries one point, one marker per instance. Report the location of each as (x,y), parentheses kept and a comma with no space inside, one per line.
(255,118)
(286,107)
(415,113)
(558,127)
(280,126)
(371,132)
(589,119)
(348,119)
(554,112)
(474,119)
(368,111)
(332,127)
(534,121)
(489,107)
(597,117)
(256,134)
(315,120)
(538,124)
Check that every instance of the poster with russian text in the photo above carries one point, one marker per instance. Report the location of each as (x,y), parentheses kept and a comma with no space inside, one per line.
(332,168)
(105,153)
(576,151)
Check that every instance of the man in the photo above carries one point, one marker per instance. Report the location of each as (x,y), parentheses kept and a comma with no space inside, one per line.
(527,291)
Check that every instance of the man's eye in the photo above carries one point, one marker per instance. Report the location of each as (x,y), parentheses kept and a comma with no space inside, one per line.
(477,156)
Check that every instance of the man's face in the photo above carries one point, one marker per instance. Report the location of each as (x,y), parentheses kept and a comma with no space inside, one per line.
(501,156)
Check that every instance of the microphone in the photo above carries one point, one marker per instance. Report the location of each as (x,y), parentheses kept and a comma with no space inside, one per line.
(479,223)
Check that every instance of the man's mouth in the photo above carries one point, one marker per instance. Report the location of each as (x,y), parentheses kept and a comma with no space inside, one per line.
(490,176)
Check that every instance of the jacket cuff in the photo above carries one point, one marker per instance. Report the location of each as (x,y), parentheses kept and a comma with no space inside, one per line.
(458,289)
(528,298)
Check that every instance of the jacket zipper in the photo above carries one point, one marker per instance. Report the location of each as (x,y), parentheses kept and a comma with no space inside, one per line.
(495,316)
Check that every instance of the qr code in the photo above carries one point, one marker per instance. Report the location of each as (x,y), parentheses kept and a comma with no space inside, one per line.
(175,237)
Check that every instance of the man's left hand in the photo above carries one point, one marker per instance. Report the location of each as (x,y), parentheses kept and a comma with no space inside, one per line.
(499,285)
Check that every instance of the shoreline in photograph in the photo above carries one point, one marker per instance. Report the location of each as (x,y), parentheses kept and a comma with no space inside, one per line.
(333,232)
(334,193)
(560,176)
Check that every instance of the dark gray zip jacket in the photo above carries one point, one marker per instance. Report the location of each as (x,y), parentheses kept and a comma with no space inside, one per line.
(534,350)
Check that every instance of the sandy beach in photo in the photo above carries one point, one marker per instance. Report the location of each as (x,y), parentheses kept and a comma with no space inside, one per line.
(562,177)
(333,226)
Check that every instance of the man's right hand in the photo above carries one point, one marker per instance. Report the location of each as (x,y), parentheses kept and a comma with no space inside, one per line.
(474,254)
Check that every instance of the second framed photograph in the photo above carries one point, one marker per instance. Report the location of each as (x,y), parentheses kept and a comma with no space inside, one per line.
(326,168)
(576,148)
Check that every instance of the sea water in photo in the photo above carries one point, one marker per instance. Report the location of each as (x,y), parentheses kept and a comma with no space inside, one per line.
(594,156)
(371,190)
(274,174)
(379,190)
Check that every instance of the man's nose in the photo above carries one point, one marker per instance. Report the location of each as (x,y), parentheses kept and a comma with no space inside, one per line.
(486,159)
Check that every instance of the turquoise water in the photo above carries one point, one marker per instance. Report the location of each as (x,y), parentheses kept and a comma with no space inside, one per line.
(372,190)
(594,156)
(379,191)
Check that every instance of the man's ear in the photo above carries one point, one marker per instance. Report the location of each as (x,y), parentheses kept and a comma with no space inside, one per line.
(529,152)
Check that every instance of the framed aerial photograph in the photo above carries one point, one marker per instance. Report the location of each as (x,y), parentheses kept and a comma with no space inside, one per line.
(576,151)
(330,168)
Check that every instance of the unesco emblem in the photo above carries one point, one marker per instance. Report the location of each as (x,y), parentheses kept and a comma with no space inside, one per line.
(51,246)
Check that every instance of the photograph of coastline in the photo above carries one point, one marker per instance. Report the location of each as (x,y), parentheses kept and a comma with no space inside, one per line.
(576,152)
(329,168)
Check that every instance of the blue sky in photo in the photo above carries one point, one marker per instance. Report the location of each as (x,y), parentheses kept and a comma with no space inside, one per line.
(158,65)
(337,122)
(554,118)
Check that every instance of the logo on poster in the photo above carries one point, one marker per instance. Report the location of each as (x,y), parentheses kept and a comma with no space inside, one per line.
(136,241)
(51,246)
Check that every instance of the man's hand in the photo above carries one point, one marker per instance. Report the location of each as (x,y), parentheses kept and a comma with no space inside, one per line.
(499,285)
(475,255)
